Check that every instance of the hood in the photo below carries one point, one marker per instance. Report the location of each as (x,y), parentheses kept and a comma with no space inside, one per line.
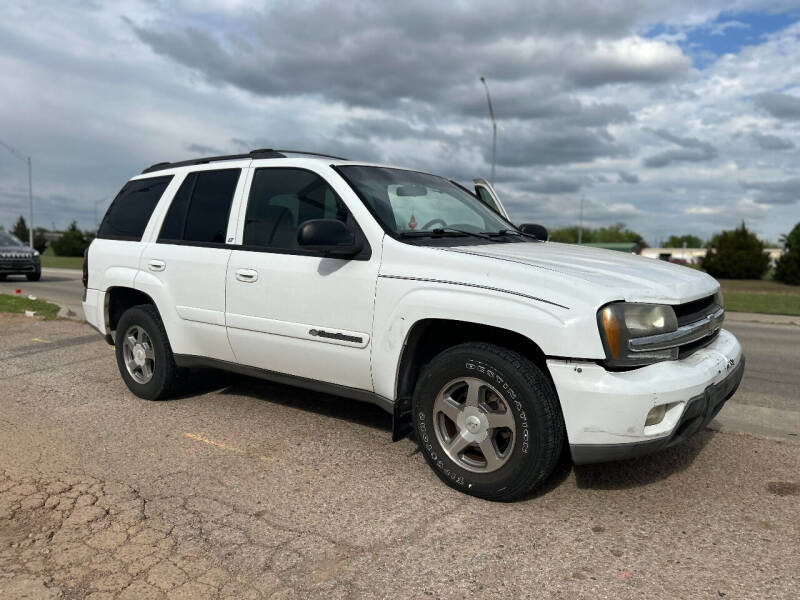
(627,276)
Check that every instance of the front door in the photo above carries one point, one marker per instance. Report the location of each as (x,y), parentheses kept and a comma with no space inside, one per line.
(294,311)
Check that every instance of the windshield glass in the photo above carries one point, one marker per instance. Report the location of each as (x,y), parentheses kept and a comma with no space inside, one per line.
(409,203)
(6,239)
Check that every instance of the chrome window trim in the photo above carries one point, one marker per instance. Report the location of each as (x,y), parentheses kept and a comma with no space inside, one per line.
(686,334)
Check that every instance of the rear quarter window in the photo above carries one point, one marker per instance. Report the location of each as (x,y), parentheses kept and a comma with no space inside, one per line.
(130,211)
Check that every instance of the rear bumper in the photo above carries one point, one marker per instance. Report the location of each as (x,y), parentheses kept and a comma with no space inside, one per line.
(605,411)
(699,412)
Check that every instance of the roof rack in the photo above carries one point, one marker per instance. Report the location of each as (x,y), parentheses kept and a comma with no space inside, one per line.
(254,154)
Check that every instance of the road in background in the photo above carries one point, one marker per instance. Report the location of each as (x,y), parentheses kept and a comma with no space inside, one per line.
(60,286)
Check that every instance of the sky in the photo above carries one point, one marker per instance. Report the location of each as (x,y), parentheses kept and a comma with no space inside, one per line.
(672,117)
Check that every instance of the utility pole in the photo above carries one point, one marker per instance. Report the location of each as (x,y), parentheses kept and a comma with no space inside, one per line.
(26,159)
(494,127)
(30,204)
(580,222)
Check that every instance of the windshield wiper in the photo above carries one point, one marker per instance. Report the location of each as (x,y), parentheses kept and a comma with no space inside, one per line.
(503,232)
(441,231)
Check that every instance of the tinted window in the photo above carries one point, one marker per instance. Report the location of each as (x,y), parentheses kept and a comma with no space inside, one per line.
(199,212)
(130,211)
(172,228)
(283,199)
(486,198)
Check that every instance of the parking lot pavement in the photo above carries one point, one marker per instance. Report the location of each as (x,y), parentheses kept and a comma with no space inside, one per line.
(246,489)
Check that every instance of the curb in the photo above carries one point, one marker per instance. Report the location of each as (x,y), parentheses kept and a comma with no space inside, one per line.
(745,317)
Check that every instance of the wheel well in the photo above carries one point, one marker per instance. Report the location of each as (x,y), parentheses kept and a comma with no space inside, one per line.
(120,299)
(429,337)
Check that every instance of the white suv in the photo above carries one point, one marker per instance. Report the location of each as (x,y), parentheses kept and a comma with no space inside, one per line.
(409,291)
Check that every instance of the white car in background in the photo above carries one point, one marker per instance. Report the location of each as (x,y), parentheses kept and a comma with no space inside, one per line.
(497,348)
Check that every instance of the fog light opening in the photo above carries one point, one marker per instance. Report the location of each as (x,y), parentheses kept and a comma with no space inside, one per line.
(656,415)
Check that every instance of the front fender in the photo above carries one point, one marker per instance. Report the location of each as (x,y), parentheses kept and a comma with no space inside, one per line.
(400,304)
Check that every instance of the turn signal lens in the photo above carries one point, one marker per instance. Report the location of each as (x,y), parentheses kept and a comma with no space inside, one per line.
(611,327)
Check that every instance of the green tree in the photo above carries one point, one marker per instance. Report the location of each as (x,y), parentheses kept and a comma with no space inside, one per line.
(39,241)
(613,233)
(736,254)
(71,243)
(677,241)
(787,269)
(20,229)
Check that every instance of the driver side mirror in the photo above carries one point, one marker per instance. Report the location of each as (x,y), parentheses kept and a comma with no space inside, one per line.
(329,237)
(538,231)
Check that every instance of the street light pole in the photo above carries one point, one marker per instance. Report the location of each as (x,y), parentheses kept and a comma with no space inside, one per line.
(580,222)
(30,204)
(27,160)
(494,127)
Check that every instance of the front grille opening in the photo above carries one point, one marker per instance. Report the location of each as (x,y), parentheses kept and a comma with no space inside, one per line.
(688,349)
(695,310)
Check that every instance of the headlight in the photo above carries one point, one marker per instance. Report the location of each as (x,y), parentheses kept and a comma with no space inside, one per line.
(621,322)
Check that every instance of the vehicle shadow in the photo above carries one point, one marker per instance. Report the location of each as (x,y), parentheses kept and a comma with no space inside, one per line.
(335,407)
(645,470)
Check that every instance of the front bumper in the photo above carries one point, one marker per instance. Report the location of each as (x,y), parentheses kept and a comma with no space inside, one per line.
(18,266)
(605,411)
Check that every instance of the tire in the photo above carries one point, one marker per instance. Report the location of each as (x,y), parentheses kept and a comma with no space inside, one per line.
(35,276)
(3,277)
(155,352)
(515,408)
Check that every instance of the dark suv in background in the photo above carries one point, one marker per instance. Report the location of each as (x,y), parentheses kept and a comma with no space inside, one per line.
(18,259)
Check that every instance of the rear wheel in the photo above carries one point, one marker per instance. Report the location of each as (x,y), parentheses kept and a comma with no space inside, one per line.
(144,356)
(488,421)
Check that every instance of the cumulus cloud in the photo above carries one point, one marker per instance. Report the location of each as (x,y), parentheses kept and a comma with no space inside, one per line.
(780,106)
(786,191)
(632,59)
(626,177)
(772,142)
(691,150)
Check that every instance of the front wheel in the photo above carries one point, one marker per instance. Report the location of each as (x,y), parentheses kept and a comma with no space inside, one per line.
(488,421)
(144,356)
(35,276)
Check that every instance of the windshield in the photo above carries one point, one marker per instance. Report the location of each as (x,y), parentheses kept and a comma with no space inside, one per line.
(408,203)
(6,239)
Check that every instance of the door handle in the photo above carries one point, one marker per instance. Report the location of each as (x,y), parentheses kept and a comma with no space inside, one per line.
(247,275)
(156,265)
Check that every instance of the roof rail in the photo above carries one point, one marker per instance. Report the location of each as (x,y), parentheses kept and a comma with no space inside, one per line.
(312,154)
(254,154)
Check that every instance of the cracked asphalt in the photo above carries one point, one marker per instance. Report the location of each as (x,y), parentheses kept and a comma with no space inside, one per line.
(246,489)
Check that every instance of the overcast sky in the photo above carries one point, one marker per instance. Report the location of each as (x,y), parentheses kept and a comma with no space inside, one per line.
(666,116)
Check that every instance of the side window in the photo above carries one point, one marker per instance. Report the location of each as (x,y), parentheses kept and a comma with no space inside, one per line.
(283,199)
(199,211)
(486,198)
(130,211)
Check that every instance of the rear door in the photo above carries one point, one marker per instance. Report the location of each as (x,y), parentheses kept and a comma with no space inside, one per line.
(488,196)
(185,265)
(290,310)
